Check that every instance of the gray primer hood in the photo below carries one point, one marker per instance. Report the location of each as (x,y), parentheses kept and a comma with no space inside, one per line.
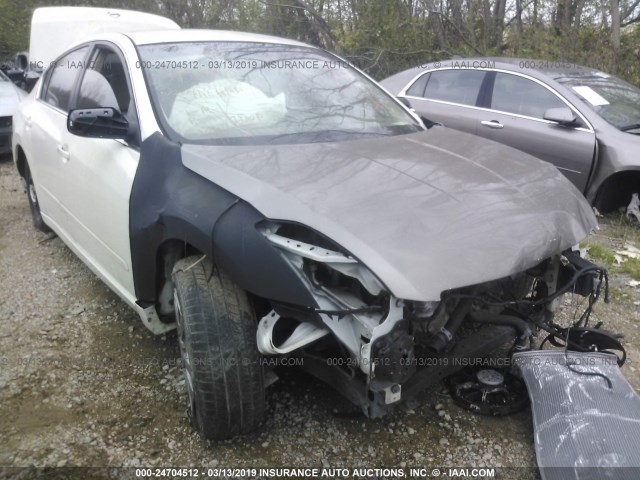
(426,212)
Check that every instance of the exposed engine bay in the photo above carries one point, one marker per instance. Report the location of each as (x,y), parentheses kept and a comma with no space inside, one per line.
(378,350)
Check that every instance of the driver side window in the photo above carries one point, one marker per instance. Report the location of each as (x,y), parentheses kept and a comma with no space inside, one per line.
(104,83)
(514,94)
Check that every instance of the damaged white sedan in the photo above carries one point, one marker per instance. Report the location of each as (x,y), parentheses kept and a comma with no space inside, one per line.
(270,200)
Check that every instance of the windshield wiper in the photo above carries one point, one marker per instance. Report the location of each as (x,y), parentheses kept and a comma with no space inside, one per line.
(626,128)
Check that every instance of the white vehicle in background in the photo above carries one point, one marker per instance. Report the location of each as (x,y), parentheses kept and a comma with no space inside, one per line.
(53,29)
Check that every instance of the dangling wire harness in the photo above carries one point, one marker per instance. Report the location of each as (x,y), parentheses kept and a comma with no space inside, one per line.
(580,277)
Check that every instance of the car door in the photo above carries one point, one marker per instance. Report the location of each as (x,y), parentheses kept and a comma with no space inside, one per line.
(99,173)
(515,117)
(47,122)
(448,96)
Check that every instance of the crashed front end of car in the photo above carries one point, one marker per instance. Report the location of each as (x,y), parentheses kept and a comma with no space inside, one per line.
(381,253)
(447,260)
(378,349)
(413,280)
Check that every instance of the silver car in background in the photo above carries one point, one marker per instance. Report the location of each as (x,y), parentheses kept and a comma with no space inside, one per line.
(584,121)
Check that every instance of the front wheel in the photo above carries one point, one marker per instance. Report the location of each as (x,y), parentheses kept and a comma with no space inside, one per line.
(36,216)
(217,337)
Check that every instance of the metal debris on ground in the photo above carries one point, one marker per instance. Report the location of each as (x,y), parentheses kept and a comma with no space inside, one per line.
(633,209)
(629,251)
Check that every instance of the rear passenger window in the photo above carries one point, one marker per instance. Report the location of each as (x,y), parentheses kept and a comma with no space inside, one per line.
(515,94)
(417,89)
(62,78)
(455,86)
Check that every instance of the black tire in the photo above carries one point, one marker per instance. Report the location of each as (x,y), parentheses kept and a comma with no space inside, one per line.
(36,216)
(217,335)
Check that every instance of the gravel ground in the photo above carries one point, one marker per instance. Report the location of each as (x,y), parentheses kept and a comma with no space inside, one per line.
(83,383)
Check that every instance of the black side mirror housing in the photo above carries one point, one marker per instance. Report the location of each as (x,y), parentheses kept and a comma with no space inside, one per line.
(22,61)
(404,101)
(104,122)
(430,123)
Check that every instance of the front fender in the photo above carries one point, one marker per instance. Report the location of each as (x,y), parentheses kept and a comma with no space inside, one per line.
(170,202)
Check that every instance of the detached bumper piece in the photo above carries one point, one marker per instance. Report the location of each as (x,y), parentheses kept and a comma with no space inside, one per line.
(586,415)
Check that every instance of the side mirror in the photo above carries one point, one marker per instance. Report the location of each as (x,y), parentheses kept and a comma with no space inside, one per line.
(104,122)
(22,60)
(404,101)
(562,116)
(430,123)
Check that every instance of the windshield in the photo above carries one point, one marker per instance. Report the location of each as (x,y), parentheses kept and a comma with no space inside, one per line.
(253,93)
(615,100)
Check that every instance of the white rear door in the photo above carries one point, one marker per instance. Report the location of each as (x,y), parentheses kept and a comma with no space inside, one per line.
(47,150)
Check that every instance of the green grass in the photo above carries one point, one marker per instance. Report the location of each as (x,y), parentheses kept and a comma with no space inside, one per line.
(605,257)
(632,268)
(619,226)
(599,254)
(616,294)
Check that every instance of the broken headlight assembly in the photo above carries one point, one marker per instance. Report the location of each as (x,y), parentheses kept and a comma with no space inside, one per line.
(381,348)
(352,302)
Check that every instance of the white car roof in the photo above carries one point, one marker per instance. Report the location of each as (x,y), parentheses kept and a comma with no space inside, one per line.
(193,35)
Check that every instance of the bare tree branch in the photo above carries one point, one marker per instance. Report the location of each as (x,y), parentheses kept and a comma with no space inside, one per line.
(304,6)
(460,34)
(628,11)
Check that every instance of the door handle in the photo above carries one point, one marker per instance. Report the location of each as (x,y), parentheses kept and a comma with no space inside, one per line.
(492,124)
(27,122)
(64,153)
